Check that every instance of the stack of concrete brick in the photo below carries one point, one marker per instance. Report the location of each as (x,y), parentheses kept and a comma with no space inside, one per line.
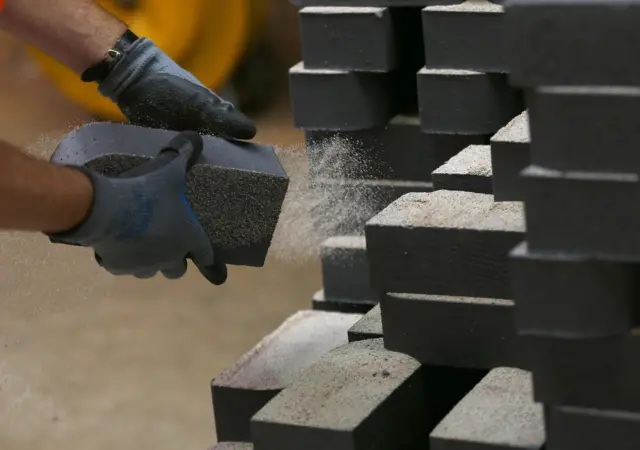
(576,278)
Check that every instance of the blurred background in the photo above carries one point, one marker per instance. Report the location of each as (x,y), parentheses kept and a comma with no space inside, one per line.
(95,362)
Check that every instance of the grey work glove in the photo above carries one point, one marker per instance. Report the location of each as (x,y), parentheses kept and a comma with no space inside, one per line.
(141,222)
(151,90)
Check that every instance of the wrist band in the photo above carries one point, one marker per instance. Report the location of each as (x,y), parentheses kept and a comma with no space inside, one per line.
(101,70)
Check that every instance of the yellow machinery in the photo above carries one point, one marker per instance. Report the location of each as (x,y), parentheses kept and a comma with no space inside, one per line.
(207,37)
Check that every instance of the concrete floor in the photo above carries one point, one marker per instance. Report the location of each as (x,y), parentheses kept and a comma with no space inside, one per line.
(93,362)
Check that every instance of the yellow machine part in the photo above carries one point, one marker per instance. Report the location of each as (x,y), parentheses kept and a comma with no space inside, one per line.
(206,37)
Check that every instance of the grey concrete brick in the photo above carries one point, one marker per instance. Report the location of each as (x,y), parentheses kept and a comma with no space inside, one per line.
(581,212)
(366,100)
(360,396)
(469,170)
(385,3)
(510,155)
(569,43)
(242,390)
(398,150)
(498,414)
(444,243)
(355,39)
(465,102)
(368,327)
(597,373)
(592,429)
(345,269)
(572,295)
(591,129)
(343,305)
(481,336)
(232,446)
(344,205)
(466,36)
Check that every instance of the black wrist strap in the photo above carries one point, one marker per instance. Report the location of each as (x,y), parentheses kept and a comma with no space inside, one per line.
(98,72)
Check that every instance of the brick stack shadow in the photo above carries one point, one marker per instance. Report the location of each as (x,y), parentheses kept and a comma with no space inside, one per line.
(453,317)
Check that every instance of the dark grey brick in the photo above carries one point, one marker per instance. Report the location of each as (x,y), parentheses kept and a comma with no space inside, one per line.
(481,336)
(510,156)
(591,129)
(498,414)
(341,100)
(569,43)
(573,295)
(242,390)
(465,102)
(598,373)
(360,396)
(345,269)
(343,305)
(396,151)
(369,327)
(390,3)
(592,429)
(469,170)
(357,39)
(584,213)
(346,205)
(444,243)
(466,36)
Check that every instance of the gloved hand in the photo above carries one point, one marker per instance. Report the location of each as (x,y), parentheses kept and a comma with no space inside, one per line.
(141,222)
(153,91)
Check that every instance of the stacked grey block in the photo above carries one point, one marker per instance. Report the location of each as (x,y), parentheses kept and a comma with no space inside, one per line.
(576,277)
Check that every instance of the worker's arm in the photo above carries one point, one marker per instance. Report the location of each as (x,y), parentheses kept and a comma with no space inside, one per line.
(147,85)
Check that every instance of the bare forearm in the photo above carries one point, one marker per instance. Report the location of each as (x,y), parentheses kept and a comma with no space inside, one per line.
(77,33)
(38,196)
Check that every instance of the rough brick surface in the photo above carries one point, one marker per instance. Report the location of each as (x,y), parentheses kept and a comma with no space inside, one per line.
(510,148)
(344,305)
(465,36)
(568,43)
(390,3)
(591,429)
(345,269)
(469,171)
(368,327)
(360,396)
(465,102)
(444,243)
(498,414)
(584,213)
(465,332)
(366,99)
(242,390)
(598,373)
(398,150)
(591,129)
(573,295)
(232,446)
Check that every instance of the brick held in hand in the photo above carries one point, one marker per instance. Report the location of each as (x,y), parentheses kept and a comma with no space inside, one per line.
(368,327)
(465,36)
(590,129)
(274,363)
(453,101)
(398,150)
(360,396)
(481,336)
(236,189)
(510,148)
(444,243)
(591,429)
(320,302)
(360,39)
(345,269)
(469,171)
(584,213)
(597,373)
(498,414)
(573,295)
(569,43)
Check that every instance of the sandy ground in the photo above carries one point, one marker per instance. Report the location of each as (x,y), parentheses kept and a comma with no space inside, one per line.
(93,362)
